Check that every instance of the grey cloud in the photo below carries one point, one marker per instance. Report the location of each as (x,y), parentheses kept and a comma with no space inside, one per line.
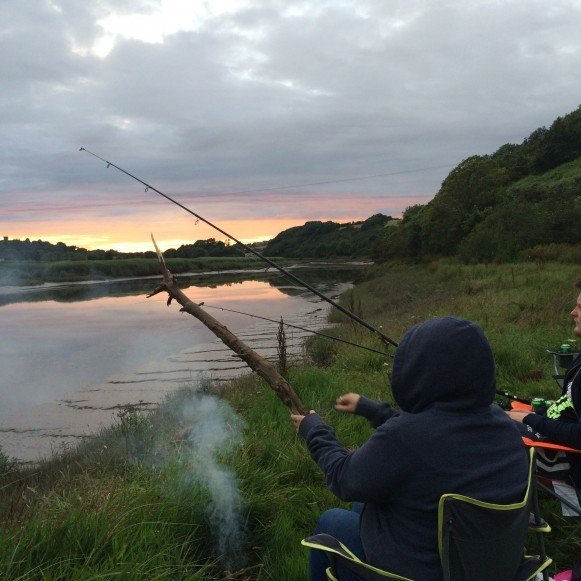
(279,93)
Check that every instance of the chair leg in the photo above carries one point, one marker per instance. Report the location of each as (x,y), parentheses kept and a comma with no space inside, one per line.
(560,498)
(538,521)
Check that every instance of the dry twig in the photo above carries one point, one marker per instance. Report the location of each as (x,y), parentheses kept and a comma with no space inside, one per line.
(256,362)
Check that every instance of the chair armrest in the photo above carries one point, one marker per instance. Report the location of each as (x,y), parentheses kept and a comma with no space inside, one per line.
(519,405)
(549,446)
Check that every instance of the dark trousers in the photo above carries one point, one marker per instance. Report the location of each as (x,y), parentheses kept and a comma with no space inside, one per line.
(344,526)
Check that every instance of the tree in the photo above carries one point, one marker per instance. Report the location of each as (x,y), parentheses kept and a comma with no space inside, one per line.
(470,188)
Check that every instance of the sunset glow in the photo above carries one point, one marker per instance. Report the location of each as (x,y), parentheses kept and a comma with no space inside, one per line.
(172,227)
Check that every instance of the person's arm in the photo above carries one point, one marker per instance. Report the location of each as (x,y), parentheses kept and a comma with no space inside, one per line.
(376,413)
(370,474)
(558,431)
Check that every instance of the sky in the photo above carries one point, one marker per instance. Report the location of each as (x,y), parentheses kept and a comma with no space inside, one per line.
(261,115)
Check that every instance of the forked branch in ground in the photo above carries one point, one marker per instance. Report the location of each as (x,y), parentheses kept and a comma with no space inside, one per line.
(256,362)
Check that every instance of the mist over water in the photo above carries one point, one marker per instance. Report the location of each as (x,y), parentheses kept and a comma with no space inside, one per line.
(49,348)
(73,356)
(59,338)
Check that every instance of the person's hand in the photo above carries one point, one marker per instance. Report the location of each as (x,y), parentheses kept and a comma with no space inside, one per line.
(347,402)
(296,419)
(517,415)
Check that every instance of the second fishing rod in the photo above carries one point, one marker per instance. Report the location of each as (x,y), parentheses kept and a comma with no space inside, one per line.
(384,338)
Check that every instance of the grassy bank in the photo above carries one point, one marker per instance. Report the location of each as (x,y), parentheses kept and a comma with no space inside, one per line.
(133,503)
(30,273)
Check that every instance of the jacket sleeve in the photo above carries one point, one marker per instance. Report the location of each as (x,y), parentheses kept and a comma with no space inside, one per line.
(376,413)
(558,431)
(567,433)
(370,474)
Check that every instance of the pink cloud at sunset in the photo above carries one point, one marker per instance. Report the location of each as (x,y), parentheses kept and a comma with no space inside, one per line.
(107,223)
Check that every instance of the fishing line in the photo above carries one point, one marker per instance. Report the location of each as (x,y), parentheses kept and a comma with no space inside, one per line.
(301,329)
(288,274)
(340,181)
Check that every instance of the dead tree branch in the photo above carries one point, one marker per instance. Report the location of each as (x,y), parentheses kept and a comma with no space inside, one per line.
(255,361)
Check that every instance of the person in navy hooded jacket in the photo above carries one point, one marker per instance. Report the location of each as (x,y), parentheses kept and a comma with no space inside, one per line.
(448,436)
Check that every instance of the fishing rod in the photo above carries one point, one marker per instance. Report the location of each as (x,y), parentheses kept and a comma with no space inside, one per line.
(382,336)
(301,329)
(513,397)
(503,393)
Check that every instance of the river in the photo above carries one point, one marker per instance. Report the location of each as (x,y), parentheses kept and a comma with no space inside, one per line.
(73,355)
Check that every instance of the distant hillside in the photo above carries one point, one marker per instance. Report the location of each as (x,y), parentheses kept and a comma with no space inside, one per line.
(497,207)
(330,239)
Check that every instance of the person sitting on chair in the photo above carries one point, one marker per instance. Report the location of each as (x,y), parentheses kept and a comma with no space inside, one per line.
(448,437)
(562,422)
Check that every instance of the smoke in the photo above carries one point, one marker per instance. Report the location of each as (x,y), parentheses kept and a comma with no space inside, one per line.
(214,430)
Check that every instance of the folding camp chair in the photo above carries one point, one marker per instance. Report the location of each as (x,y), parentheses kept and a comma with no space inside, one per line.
(477,541)
(565,492)
(563,360)
(562,490)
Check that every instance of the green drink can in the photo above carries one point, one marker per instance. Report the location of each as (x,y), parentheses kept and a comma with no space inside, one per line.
(538,404)
(565,355)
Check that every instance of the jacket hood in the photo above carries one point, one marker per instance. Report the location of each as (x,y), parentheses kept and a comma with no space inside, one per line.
(446,361)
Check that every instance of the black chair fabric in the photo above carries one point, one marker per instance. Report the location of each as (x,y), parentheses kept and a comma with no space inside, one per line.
(481,543)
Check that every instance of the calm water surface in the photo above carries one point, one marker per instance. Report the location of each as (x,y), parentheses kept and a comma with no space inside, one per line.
(58,338)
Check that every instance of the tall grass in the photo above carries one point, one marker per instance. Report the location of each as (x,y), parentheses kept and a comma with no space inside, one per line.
(119,506)
(100,511)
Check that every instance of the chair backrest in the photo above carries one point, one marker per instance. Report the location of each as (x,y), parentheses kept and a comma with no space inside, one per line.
(481,540)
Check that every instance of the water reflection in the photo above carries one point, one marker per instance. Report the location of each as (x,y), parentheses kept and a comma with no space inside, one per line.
(89,290)
(59,338)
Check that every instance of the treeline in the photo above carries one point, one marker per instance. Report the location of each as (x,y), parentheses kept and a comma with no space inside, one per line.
(209,247)
(330,239)
(500,207)
(521,201)
(41,251)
